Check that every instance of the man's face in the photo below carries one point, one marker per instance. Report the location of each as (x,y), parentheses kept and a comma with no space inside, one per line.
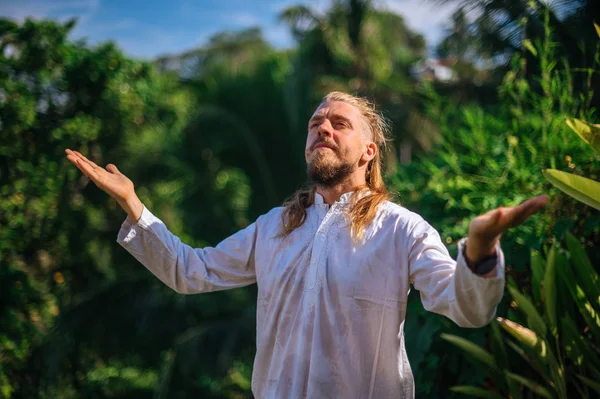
(336,145)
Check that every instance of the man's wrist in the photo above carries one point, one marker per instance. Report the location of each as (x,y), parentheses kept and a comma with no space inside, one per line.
(134,208)
(482,264)
(479,247)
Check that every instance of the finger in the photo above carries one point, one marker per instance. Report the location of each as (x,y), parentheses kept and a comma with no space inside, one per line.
(84,159)
(539,201)
(75,161)
(71,157)
(91,170)
(85,169)
(518,214)
(112,169)
(533,205)
(76,155)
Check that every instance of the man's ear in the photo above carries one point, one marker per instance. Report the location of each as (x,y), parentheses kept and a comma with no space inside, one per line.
(370,152)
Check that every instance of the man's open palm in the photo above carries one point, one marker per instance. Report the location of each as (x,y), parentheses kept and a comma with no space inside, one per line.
(495,222)
(485,230)
(109,180)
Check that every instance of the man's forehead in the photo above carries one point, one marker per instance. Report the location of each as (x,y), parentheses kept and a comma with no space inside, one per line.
(337,107)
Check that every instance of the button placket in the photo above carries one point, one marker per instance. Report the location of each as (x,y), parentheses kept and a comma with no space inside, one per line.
(320,245)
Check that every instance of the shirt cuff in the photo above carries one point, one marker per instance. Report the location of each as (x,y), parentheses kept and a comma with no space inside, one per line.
(129,231)
(469,274)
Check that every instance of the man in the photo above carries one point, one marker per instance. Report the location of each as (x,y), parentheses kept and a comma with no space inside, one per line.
(333,265)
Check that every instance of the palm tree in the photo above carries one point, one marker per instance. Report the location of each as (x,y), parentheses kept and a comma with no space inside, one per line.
(501,26)
(356,47)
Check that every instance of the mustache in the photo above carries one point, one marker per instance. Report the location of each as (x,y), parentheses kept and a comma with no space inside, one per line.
(330,144)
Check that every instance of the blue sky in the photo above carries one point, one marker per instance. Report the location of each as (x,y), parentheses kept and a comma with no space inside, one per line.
(149,28)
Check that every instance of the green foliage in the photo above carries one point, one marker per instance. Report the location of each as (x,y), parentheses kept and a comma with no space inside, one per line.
(492,157)
(357,48)
(564,360)
(579,187)
(588,132)
(219,141)
(57,236)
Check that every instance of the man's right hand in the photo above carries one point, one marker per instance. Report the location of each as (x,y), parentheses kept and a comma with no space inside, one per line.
(111,181)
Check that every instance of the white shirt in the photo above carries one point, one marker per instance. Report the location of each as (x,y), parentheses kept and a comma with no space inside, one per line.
(330,313)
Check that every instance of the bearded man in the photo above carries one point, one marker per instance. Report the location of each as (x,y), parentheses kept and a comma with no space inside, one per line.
(333,265)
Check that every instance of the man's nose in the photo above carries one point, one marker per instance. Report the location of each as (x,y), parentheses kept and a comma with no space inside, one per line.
(325,128)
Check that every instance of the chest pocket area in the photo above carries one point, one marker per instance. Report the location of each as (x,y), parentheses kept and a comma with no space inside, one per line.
(371,281)
(370,292)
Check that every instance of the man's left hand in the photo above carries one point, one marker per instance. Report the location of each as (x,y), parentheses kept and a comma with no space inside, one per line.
(485,230)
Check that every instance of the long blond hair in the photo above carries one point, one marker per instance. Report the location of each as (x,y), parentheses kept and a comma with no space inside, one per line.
(361,211)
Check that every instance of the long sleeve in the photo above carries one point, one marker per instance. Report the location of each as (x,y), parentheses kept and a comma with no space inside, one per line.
(448,286)
(185,269)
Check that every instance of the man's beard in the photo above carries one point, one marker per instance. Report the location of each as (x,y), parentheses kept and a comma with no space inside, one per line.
(327,174)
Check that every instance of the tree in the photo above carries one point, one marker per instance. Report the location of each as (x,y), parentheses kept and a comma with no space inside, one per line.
(355,47)
(504,27)
(75,305)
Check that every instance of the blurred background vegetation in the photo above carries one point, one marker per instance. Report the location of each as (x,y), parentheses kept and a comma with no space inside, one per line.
(213,138)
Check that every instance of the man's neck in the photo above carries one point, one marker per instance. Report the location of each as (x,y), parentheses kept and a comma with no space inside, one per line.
(332,194)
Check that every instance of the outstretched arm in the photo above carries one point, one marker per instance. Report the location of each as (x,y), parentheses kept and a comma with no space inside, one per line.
(185,269)
(190,270)
(450,287)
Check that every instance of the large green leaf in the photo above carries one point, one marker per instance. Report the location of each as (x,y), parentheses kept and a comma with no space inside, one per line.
(537,273)
(476,392)
(535,321)
(524,335)
(473,350)
(591,317)
(534,361)
(532,385)
(579,187)
(498,347)
(586,274)
(588,132)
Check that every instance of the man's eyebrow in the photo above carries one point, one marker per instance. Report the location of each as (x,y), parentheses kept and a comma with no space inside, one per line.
(342,118)
(315,118)
(332,117)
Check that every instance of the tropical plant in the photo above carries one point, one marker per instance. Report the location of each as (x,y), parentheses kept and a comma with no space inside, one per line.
(579,187)
(502,25)
(560,347)
(489,157)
